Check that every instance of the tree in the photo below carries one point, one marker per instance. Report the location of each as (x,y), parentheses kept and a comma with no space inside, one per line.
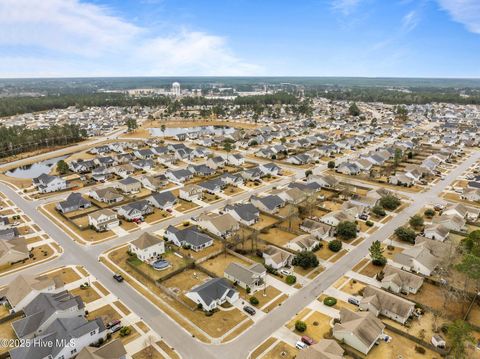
(131,124)
(389,202)
(471,244)
(429,213)
(227,147)
(397,156)
(300,326)
(305,259)
(405,234)
(283,140)
(459,333)
(416,221)
(347,230)
(335,245)
(62,167)
(379,211)
(353,110)
(308,173)
(331,164)
(163,128)
(290,279)
(470,266)
(376,253)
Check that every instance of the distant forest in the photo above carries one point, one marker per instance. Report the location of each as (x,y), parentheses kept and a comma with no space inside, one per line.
(18,139)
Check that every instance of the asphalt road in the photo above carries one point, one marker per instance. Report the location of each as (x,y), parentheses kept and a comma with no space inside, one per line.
(176,336)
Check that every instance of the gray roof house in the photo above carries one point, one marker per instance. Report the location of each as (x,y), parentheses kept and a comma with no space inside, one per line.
(245,213)
(397,280)
(191,237)
(213,293)
(73,202)
(64,338)
(163,200)
(46,308)
(269,204)
(252,276)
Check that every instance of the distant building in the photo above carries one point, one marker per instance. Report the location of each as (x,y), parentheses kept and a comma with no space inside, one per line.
(176,89)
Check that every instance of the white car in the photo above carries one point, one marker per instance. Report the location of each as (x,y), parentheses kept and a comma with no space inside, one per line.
(301,345)
(285,271)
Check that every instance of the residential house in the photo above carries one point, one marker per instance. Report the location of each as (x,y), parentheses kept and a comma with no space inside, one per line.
(190,237)
(270,169)
(213,293)
(129,185)
(245,213)
(348,168)
(235,159)
(163,200)
(46,183)
(378,301)
(326,181)
(452,222)
(324,349)
(231,179)
(154,183)
(216,162)
(4,223)
(179,176)
(270,204)
(213,186)
(73,202)
(63,339)
(304,242)
(106,195)
(23,289)
(221,225)
(143,165)
(335,217)
(112,350)
(436,231)
(359,330)
(190,192)
(399,281)
(103,220)
(252,174)
(13,250)
(467,212)
(44,310)
(277,258)
(423,257)
(147,247)
(135,210)
(124,170)
(201,170)
(318,229)
(252,276)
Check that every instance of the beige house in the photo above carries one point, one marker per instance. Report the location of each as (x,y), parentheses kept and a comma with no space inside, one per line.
(219,224)
(360,330)
(399,281)
(277,258)
(103,220)
(252,277)
(304,242)
(378,301)
(147,247)
(324,349)
(13,250)
(113,349)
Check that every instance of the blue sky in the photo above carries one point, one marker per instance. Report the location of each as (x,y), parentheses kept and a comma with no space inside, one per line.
(400,38)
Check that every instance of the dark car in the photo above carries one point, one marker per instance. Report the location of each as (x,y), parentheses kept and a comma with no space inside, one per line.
(363,216)
(118,277)
(249,310)
(354,301)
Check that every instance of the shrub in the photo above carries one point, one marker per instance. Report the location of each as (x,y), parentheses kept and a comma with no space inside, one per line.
(335,245)
(300,326)
(419,349)
(416,221)
(329,301)
(248,290)
(379,211)
(429,213)
(331,164)
(254,300)
(305,259)
(369,223)
(291,279)
(405,234)
(379,261)
(124,331)
(390,202)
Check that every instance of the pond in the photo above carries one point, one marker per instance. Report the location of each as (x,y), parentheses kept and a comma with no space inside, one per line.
(173,131)
(35,169)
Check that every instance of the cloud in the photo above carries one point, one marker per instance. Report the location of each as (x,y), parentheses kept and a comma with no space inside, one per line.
(70,37)
(410,21)
(466,12)
(346,7)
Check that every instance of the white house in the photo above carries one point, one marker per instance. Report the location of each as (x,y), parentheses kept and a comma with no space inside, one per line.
(46,183)
(213,293)
(103,220)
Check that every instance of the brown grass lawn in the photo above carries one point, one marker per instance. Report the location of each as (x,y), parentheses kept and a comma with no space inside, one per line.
(88,235)
(6,332)
(107,313)
(332,206)
(371,270)
(390,253)
(186,280)
(184,206)
(157,216)
(3,311)
(120,256)
(338,256)
(275,304)
(293,223)
(67,274)
(188,253)
(218,264)
(340,304)
(262,347)
(324,253)
(399,346)
(167,349)
(101,288)
(40,253)
(318,324)
(474,315)
(232,190)
(299,316)
(340,282)
(264,221)
(281,350)
(128,226)
(270,293)
(129,338)
(122,307)
(277,236)
(88,295)
(360,264)
(353,288)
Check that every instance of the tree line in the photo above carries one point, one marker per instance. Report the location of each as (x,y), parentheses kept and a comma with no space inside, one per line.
(18,139)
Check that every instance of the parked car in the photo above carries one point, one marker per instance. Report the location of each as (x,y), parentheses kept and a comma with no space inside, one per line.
(118,277)
(307,340)
(363,216)
(249,310)
(301,345)
(354,301)
(169,210)
(114,326)
(285,271)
